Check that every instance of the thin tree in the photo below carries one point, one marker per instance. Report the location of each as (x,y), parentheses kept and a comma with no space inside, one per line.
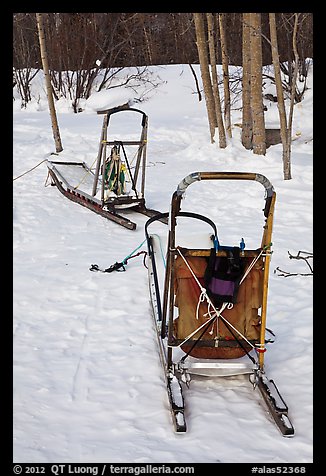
(285,123)
(45,64)
(205,74)
(279,91)
(225,67)
(216,93)
(246,133)
(196,82)
(257,106)
(287,164)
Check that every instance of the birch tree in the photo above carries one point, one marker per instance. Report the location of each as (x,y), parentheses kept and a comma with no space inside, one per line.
(45,64)
(287,161)
(216,93)
(225,67)
(285,123)
(205,74)
(257,106)
(279,88)
(246,133)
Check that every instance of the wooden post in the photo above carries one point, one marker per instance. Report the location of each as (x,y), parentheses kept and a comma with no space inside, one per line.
(45,65)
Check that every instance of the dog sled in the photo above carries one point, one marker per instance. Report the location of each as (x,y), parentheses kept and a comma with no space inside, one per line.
(117,184)
(209,302)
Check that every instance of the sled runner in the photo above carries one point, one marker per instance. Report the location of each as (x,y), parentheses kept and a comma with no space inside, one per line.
(210,300)
(116,183)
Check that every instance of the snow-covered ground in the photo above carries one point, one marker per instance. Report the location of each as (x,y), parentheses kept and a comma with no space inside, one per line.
(88,385)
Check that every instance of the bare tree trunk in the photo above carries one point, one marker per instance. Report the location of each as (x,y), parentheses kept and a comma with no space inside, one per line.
(225,66)
(45,64)
(246,133)
(196,82)
(205,74)
(280,96)
(148,45)
(287,162)
(216,93)
(257,107)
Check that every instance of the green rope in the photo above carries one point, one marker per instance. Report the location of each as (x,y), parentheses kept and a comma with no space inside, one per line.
(124,261)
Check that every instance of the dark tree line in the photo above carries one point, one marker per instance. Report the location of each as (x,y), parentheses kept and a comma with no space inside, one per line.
(81,44)
(77,40)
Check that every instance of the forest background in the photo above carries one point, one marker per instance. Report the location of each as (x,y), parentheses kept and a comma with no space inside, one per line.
(85,43)
(83,52)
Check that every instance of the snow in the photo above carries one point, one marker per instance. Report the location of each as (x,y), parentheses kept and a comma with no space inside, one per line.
(100,100)
(88,383)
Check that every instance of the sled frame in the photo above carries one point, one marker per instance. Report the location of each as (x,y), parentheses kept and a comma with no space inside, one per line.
(140,160)
(109,208)
(168,297)
(178,370)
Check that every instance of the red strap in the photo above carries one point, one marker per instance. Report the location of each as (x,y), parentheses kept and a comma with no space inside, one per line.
(261,351)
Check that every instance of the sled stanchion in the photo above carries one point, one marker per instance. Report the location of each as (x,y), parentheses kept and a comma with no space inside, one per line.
(266,243)
(99,155)
(264,312)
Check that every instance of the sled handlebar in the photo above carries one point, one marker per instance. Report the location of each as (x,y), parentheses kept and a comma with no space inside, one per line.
(197,176)
(124,107)
(159,216)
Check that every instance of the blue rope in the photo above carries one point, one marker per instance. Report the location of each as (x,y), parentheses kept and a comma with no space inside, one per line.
(124,261)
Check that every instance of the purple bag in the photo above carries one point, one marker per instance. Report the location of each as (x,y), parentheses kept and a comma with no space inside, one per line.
(223,275)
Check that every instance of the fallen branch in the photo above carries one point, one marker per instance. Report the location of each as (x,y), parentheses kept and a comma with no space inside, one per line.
(303,255)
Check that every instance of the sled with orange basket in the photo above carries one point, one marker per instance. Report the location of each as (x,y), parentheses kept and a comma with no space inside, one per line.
(210,302)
